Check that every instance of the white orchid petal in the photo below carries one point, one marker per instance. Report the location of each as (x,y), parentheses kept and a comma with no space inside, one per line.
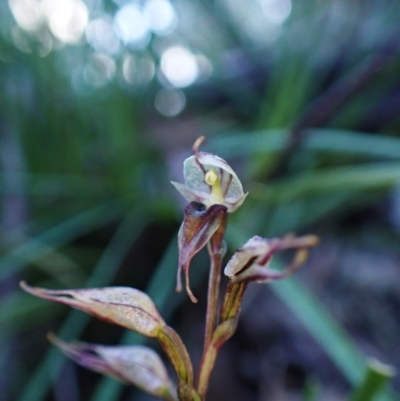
(196,188)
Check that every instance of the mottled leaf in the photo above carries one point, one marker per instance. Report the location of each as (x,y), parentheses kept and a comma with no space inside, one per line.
(124,306)
(135,365)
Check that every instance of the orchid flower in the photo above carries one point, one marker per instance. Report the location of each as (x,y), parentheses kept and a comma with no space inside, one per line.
(250,263)
(212,188)
(210,180)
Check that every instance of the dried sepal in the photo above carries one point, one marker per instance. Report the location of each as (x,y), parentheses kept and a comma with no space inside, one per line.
(199,224)
(210,180)
(135,365)
(250,263)
(124,306)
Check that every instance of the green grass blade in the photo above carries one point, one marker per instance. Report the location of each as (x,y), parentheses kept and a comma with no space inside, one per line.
(328,140)
(318,321)
(356,178)
(357,143)
(60,235)
(375,378)
(320,324)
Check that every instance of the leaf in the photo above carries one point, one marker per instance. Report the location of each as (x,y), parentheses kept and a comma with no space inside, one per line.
(376,376)
(125,306)
(334,340)
(160,288)
(361,177)
(57,236)
(136,365)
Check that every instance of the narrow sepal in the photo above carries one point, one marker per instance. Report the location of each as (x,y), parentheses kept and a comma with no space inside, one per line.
(250,263)
(124,306)
(135,365)
(199,224)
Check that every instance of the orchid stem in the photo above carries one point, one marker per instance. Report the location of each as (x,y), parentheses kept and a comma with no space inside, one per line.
(216,256)
(214,249)
(212,297)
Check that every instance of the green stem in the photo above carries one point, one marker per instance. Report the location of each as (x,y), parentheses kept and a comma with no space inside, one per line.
(212,296)
(232,300)
(187,393)
(207,365)
(216,255)
(221,334)
(177,353)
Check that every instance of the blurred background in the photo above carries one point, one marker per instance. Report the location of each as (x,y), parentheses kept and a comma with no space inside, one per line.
(100,103)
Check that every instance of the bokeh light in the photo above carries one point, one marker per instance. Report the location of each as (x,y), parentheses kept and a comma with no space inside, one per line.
(179,66)
(138,70)
(27,13)
(276,11)
(101,35)
(132,26)
(170,102)
(67,19)
(99,70)
(161,16)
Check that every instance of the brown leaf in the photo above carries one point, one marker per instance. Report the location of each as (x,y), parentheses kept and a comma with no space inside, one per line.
(127,307)
(136,365)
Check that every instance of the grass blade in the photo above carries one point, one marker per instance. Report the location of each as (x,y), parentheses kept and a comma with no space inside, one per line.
(318,321)
(60,235)
(362,177)
(375,378)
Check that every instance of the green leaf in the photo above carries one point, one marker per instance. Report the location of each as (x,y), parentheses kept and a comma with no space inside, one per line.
(355,178)
(376,376)
(318,321)
(60,235)
(320,140)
